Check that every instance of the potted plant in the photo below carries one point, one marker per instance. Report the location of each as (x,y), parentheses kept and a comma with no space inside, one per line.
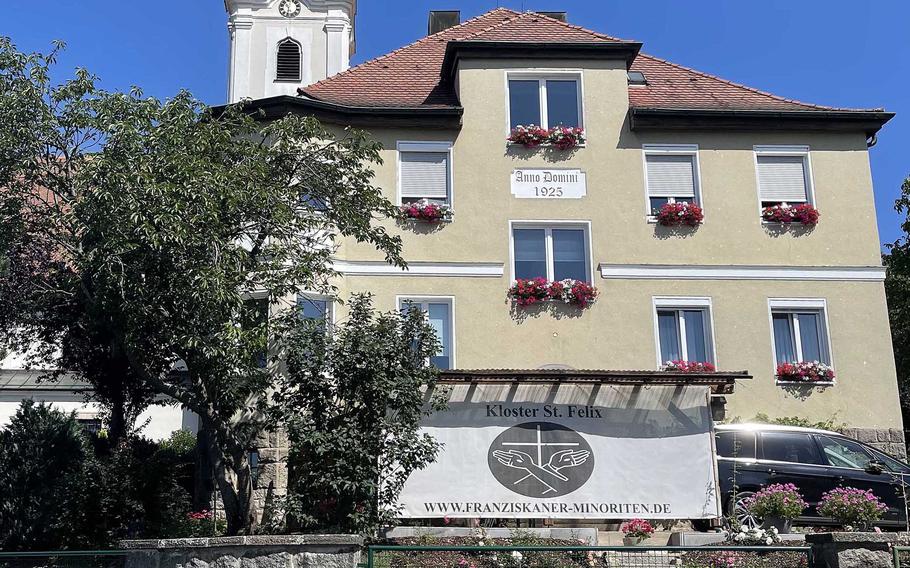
(425,210)
(855,509)
(805,372)
(566,137)
(755,536)
(681,366)
(777,505)
(802,213)
(680,213)
(530,291)
(636,531)
(529,136)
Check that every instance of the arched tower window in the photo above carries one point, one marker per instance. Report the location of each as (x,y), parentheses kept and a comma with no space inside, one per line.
(289,60)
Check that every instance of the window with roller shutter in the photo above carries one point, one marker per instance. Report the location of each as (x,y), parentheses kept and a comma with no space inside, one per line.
(783,176)
(424,172)
(671,175)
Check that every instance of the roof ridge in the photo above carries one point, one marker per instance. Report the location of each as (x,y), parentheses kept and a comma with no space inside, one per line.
(742,86)
(303,90)
(579,28)
(515,16)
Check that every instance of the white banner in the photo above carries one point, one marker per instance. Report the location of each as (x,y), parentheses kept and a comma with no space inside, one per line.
(549,184)
(571,451)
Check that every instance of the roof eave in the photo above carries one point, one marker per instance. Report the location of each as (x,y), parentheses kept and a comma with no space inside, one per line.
(272,108)
(455,50)
(867,121)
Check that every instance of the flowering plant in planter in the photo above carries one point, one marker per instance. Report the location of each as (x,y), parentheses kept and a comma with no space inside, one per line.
(637,528)
(805,372)
(755,536)
(680,213)
(566,137)
(527,292)
(529,136)
(560,137)
(425,210)
(803,213)
(689,366)
(574,292)
(852,507)
(780,500)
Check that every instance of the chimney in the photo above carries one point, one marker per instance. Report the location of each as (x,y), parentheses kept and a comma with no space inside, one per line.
(442,20)
(561,16)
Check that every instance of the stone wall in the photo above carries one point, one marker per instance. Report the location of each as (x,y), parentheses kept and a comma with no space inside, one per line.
(891,441)
(292,551)
(272,480)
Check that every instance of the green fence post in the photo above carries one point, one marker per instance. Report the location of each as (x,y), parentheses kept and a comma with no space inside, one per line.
(369,557)
(897,557)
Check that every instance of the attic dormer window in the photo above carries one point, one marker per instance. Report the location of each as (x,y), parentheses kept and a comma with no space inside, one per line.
(289,56)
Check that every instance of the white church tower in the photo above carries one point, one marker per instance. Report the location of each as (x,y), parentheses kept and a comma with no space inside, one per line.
(280,45)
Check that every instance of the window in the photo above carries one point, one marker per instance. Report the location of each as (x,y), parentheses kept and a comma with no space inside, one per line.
(289,56)
(799,331)
(255,319)
(544,101)
(670,175)
(844,453)
(425,172)
(684,329)
(783,175)
(439,315)
(736,444)
(552,252)
(315,307)
(790,447)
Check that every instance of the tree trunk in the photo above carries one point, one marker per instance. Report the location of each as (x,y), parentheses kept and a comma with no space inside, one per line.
(235,484)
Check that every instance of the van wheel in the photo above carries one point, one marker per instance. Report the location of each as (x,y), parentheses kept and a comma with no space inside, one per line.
(738,511)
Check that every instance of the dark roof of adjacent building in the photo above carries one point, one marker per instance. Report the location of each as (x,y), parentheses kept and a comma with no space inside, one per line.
(411,77)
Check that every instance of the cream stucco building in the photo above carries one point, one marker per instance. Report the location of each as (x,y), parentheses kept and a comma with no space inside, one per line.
(736,290)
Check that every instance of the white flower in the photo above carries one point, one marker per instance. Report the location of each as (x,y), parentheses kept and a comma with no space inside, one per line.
(769,541)
(516,555)
(774,530)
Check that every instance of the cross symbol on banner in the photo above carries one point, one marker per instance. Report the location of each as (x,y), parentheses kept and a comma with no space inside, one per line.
(539,444)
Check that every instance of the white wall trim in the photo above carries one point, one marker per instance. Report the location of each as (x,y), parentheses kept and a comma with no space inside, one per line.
(420,268)
(741,272)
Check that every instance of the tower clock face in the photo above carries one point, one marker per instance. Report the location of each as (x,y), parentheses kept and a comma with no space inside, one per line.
(290,8)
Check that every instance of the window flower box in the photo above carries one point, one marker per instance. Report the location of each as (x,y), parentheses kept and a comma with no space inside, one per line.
(559,137)
(804,213)
(424,210)
(680,213)
(527,292)
(681,366)
(805,372)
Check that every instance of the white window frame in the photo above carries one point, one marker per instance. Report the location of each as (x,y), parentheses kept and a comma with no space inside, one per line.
(542,76)
(423,300)
(425,146)
(671,150)
(685,303)
(783,150)
(794,305)
(329,304)
(548,227)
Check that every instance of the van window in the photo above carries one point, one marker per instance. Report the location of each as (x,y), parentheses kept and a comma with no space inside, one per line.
(794,447)
(735,444)
(844,453)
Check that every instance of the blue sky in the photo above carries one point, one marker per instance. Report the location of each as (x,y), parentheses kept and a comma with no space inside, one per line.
(836,52)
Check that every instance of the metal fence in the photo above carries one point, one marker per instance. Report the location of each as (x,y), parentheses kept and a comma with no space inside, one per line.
(64,559)
(382,556)
(901,556)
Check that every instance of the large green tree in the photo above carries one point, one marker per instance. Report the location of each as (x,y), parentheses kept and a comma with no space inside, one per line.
(897,288)
(139,230)
(352,400)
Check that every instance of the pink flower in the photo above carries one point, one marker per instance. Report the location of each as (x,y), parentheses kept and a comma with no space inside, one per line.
(680,213)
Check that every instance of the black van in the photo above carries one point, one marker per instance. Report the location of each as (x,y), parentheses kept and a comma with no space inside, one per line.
(750,456)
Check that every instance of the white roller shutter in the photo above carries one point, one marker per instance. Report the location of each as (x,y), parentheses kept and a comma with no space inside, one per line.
(782,178)
(670,175)
(425,174)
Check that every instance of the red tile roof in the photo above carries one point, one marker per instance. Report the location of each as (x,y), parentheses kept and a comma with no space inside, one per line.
(410,77)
